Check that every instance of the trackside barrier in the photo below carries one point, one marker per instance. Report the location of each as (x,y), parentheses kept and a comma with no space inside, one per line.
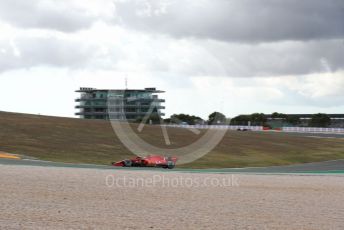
(313,130)
(229,127)
(261,128)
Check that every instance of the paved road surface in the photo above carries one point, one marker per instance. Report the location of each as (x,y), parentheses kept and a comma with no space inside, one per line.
(335,166)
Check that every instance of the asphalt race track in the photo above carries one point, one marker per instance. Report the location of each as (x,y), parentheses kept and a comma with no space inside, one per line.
(335,166)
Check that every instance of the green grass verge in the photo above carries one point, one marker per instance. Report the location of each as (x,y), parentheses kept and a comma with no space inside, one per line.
(94,142)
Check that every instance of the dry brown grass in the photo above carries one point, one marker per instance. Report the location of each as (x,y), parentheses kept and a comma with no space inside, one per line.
(93,141)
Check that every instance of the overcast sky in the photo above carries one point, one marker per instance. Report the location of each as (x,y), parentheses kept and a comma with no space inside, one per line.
(232,56)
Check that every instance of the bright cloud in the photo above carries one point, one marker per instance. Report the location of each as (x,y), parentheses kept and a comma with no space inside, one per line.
(232,56)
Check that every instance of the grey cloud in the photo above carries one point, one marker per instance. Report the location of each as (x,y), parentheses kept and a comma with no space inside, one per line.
(144,52)
(213,58)
(237,20)
(202,58)
(29,52)
(277,59)
(293,98)
(45,14)
(187,58)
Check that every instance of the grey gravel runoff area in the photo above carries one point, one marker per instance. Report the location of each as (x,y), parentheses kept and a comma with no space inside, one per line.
(35,197)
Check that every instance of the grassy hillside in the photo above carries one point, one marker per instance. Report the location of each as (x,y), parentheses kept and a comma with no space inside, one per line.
(93,141)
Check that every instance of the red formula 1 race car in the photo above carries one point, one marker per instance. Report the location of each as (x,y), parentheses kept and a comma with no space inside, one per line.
(149,161)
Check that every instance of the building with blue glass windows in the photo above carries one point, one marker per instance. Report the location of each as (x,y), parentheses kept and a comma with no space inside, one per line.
(119,104)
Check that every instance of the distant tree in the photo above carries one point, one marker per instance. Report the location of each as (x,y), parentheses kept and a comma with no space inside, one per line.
(276,115)
(320,120)
(190,119)
(293,119)
(258,119)
(241,120)
(216,118)
(167,120)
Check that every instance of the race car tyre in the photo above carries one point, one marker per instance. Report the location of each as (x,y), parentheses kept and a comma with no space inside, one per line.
(170,165)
